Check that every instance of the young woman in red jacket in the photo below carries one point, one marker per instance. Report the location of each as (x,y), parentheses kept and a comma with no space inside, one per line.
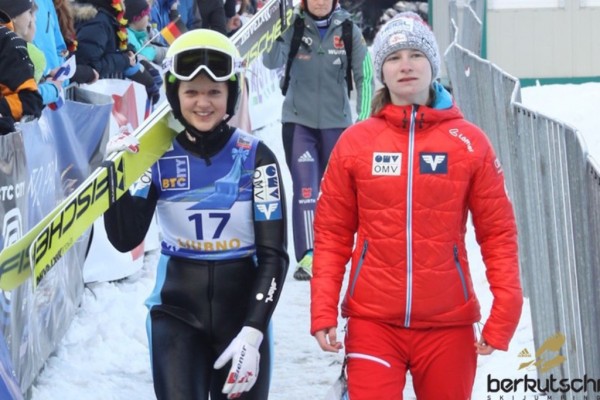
(395,200)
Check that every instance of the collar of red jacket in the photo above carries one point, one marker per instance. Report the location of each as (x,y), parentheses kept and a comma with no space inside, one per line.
(425,117)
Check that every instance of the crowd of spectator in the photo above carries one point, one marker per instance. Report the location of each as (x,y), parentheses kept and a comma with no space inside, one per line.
(117,39)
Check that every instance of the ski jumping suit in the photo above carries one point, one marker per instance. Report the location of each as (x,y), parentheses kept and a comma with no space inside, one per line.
(317,109)
(404,181)
(223,256)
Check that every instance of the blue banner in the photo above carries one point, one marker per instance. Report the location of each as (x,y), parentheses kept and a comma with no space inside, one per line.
(39,166)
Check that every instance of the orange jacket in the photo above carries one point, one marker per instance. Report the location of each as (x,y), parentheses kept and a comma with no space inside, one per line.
(404,181)
(19,94)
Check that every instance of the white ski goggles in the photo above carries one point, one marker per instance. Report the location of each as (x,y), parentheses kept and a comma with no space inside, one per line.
(218,65)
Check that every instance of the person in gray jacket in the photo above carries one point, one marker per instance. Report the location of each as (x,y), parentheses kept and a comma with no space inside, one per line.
(317,109)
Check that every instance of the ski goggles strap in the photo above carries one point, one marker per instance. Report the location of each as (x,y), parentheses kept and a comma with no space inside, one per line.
(218,65)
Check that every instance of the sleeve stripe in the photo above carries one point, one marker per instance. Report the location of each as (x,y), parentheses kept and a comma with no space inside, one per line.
(367,88)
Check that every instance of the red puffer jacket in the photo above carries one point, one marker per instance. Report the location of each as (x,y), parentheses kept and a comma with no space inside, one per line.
(405,181)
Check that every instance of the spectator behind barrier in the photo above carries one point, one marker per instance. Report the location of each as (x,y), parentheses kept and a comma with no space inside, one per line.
(102,35)
(64,12)
(22,13)
(19,94)
(137,14)
(162,12)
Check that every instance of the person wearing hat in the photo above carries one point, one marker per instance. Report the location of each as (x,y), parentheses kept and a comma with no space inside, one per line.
(26,24)
(220,205)
(101,30)
(14,8)
(22,14)
(24,27)
(185,14)
(137,14)
(66,25)
(19,95)
(317,107)
(395,200)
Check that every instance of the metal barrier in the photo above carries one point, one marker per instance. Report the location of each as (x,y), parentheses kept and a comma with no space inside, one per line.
(470,16)
(555,188)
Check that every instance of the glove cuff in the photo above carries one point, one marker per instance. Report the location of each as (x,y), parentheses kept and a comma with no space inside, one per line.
(251,335)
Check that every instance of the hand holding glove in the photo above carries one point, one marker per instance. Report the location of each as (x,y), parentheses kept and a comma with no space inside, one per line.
(245,358)
(124,140)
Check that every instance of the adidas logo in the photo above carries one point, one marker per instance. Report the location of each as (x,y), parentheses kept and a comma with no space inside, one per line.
(524,353)
(306,157)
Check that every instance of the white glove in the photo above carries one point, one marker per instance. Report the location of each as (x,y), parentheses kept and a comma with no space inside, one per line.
(124,140)
(243,351)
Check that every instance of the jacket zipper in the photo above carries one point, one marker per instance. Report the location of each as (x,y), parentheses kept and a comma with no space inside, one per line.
(358,267)
(409,254)
(461,275)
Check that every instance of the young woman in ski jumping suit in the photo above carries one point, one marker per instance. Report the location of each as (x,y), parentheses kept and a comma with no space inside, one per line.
(220,207)
(404,181)
(317,107)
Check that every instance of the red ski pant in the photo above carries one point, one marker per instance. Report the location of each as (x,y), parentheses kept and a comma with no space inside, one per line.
(442,361)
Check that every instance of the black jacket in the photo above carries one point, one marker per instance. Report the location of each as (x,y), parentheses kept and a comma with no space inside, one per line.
(213,15)
(98,43)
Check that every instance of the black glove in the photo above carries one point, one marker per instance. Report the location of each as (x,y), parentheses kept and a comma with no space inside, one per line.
(153,71)
(144,77)
(156,78)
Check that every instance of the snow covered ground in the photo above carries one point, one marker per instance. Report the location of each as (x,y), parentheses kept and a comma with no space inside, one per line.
(104,355)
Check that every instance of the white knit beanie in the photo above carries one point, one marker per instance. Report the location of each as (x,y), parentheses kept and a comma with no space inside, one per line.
(405,31)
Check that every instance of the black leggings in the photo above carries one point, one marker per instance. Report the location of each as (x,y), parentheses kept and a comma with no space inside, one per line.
(203,308)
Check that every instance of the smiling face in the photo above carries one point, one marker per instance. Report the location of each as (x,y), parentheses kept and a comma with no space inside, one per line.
(203,102)
(408,77)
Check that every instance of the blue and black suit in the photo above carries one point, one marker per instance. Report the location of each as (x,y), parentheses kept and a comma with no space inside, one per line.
(221,211)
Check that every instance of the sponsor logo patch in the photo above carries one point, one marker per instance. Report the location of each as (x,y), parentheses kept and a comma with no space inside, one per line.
(306,157)
(267,193)
(338,43)
(306,193)
(433,163)
(244,142)
(386,164)
(463,138)
(174,173)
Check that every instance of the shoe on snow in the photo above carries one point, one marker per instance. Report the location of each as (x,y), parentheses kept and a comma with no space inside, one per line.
(304,268)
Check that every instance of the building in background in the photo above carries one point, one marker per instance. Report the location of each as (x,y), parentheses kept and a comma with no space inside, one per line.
(551,41)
